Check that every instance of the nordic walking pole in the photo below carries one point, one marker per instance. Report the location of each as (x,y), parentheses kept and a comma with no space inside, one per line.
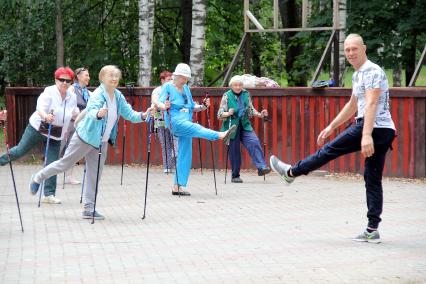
(147,166)
(123,156)
(63,150)
(129,87)
(45,157)
(199,149)
(211,146)
(165,147)
(13,176)
(97,173)
(265,135)
(227,152)
(82,183)
(63,182)
(173,145)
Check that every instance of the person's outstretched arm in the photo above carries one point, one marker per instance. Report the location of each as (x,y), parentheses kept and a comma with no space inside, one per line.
(346,113)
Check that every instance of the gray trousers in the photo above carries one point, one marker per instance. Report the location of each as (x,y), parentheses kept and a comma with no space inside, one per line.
(76,150)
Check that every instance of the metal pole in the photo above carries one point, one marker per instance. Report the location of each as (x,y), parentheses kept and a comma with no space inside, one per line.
(227,151)
(123,155)
(13,176)
(199,149)
(173,146)
(211,147)
(147,167)
(45,159)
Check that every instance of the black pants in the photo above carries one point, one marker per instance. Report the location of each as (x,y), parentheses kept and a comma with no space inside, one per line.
(350,141)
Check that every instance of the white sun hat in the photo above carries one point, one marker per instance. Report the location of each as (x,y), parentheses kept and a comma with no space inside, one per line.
(183,70)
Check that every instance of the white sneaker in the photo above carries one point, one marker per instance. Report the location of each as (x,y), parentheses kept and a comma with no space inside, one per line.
(51,199)
(281,168)
(71,180)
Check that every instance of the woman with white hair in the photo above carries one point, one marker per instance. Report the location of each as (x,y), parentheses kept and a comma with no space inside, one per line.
(176,98)
(99,125)
(236,109)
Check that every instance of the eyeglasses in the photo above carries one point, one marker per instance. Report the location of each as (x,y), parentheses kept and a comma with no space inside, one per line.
(185,99)
(63,80)
(80,70)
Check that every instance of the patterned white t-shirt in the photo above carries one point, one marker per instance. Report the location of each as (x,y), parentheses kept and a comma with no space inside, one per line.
(371,76)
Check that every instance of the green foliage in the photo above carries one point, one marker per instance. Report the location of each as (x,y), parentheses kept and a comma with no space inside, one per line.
(27,37)
(390,28)
(100,32)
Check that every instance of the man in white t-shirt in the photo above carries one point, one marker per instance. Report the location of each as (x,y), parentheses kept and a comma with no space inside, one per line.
(372,133)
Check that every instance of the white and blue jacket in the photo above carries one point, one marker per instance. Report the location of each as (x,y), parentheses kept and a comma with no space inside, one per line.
(89,129)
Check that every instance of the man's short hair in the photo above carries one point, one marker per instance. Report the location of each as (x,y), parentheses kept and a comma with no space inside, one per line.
(355,36)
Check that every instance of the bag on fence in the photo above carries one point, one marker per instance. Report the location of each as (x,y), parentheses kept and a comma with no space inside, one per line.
(55,131)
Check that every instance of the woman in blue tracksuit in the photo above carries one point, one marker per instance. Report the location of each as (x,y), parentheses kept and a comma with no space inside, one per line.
(98,126)
(176,98)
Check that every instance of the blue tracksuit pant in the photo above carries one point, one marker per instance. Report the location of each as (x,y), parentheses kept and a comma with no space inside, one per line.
(185,130)
(252,144)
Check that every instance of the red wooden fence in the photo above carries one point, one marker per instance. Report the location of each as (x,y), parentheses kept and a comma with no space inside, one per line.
(297,114)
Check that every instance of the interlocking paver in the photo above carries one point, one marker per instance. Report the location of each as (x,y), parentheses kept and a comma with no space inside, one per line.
(254,232)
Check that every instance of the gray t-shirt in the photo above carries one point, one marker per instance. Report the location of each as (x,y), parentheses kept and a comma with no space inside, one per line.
(371,76)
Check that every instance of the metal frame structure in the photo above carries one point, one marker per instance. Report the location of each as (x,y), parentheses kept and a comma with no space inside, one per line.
(333,40)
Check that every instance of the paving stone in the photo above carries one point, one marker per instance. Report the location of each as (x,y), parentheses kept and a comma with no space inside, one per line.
(254,232)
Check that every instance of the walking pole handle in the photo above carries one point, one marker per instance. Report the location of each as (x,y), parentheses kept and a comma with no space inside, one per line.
(207,95)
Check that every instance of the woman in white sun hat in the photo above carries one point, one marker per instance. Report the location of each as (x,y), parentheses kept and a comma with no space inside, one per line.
(176,98)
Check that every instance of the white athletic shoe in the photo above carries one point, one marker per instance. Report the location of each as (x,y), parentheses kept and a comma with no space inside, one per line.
(281,169)
(51,199)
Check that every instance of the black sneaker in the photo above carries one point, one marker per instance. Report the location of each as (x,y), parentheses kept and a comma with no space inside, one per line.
(181,193)
(264,171)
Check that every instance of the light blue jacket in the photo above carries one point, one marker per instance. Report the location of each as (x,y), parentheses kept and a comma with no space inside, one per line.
(90,128)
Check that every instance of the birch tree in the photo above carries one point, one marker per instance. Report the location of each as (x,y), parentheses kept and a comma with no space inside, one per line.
(198,41)
(342,59)
(59,35)
(146,29)
(342,24)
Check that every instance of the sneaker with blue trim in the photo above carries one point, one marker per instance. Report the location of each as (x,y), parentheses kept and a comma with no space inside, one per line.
(373,237)
(89,215)
(34,186)
(281,169)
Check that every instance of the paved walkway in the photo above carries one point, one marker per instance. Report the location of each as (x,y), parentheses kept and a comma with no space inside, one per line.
(255,232)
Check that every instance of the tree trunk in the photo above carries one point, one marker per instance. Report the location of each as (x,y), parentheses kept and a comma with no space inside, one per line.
(410,59)
(322,5)
(397,75)
(248,55)
(146,29)
(291,18)
(257,70)
(199,13)
(185,46)
(342,36)
(59,35)
(410,52)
